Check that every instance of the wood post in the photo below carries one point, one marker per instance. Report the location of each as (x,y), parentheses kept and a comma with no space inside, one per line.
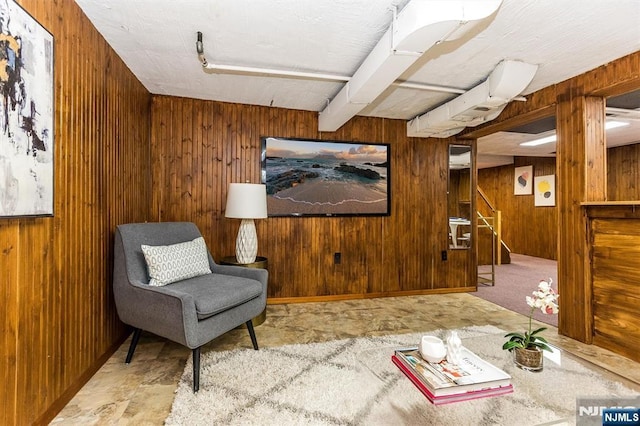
(582,172)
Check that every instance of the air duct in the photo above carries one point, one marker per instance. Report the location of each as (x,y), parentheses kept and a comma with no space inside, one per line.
(479,105)
(418,27)
(629,114)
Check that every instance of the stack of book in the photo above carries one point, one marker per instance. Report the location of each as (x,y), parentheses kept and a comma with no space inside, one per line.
(444,382)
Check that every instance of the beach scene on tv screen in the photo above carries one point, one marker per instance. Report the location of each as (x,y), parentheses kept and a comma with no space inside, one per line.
(326,178)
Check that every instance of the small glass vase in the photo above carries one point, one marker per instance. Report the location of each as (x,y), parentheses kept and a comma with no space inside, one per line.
(528,359)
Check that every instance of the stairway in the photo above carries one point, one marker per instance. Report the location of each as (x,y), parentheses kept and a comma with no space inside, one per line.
(492,250)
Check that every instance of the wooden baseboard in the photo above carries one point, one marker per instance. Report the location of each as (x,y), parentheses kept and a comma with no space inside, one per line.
(339,297)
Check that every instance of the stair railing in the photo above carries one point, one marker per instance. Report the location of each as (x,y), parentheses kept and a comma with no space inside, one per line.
(493,222)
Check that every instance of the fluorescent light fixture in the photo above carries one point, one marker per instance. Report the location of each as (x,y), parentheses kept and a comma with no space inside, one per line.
(540,141)
(614,124)
(548,139)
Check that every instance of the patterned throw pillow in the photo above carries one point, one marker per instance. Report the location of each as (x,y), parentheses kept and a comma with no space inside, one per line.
(168,264)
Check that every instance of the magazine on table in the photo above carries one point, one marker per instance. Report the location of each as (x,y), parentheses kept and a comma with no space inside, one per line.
(471,374)
(447,399)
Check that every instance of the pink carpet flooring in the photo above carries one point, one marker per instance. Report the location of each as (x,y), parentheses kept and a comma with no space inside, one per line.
(518,279)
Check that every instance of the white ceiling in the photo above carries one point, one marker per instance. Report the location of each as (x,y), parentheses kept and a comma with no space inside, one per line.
(156,39)
(499,148)
(494,147)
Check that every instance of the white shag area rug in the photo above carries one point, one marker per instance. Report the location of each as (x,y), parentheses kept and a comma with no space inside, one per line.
(354,382)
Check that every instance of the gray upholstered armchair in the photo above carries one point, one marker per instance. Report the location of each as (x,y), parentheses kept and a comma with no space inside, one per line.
(191,311)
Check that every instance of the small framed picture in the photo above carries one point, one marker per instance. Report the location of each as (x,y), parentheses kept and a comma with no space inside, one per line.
(522,182)
(545,190)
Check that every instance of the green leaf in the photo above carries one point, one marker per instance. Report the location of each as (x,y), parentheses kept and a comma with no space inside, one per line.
(541,329)
(515,335)
(510,345)
(541,346)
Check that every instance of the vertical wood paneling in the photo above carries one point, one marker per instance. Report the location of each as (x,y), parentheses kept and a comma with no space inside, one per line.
(623,173)
(526,229)
(380,255)
(580,161)
(581,177)
(616,282)
(519,212)
(595,149)
(9,252)
(58,319)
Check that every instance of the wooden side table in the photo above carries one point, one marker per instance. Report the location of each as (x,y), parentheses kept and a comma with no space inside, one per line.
(260,263)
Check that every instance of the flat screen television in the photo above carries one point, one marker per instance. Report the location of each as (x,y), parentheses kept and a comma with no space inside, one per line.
(326,178)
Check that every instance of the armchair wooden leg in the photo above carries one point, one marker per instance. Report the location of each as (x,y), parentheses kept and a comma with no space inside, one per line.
(254,341)
(196,369)
(134,343)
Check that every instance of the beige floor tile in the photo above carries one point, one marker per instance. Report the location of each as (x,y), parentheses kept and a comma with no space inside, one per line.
(142,393)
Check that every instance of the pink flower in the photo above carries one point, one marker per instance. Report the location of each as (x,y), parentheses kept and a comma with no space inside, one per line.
(544,298)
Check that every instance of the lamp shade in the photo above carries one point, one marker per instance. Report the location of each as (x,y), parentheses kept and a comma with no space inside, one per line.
(246,201)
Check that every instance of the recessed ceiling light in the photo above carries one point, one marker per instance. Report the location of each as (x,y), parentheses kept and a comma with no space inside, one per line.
(548,139)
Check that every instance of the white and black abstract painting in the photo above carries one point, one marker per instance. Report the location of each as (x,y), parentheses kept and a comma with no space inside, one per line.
(26,114)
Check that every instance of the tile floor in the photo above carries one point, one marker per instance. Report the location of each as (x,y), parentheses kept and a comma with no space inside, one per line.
(141,393)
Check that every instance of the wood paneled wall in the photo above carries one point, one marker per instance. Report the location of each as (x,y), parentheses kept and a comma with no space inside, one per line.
(199,147)
(614,237)
(581,177)
(523,222)
(526,229)
(58,322)
(623,173)
(580,173)
(57,319)
(520,214)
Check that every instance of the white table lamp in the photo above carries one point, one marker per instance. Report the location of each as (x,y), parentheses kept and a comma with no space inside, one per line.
(246,201)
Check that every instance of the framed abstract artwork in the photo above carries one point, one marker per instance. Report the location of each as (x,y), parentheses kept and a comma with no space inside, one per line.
(522,181)
(545,190)
(26,114)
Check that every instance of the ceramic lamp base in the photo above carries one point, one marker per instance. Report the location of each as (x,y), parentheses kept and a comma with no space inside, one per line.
(246,242)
